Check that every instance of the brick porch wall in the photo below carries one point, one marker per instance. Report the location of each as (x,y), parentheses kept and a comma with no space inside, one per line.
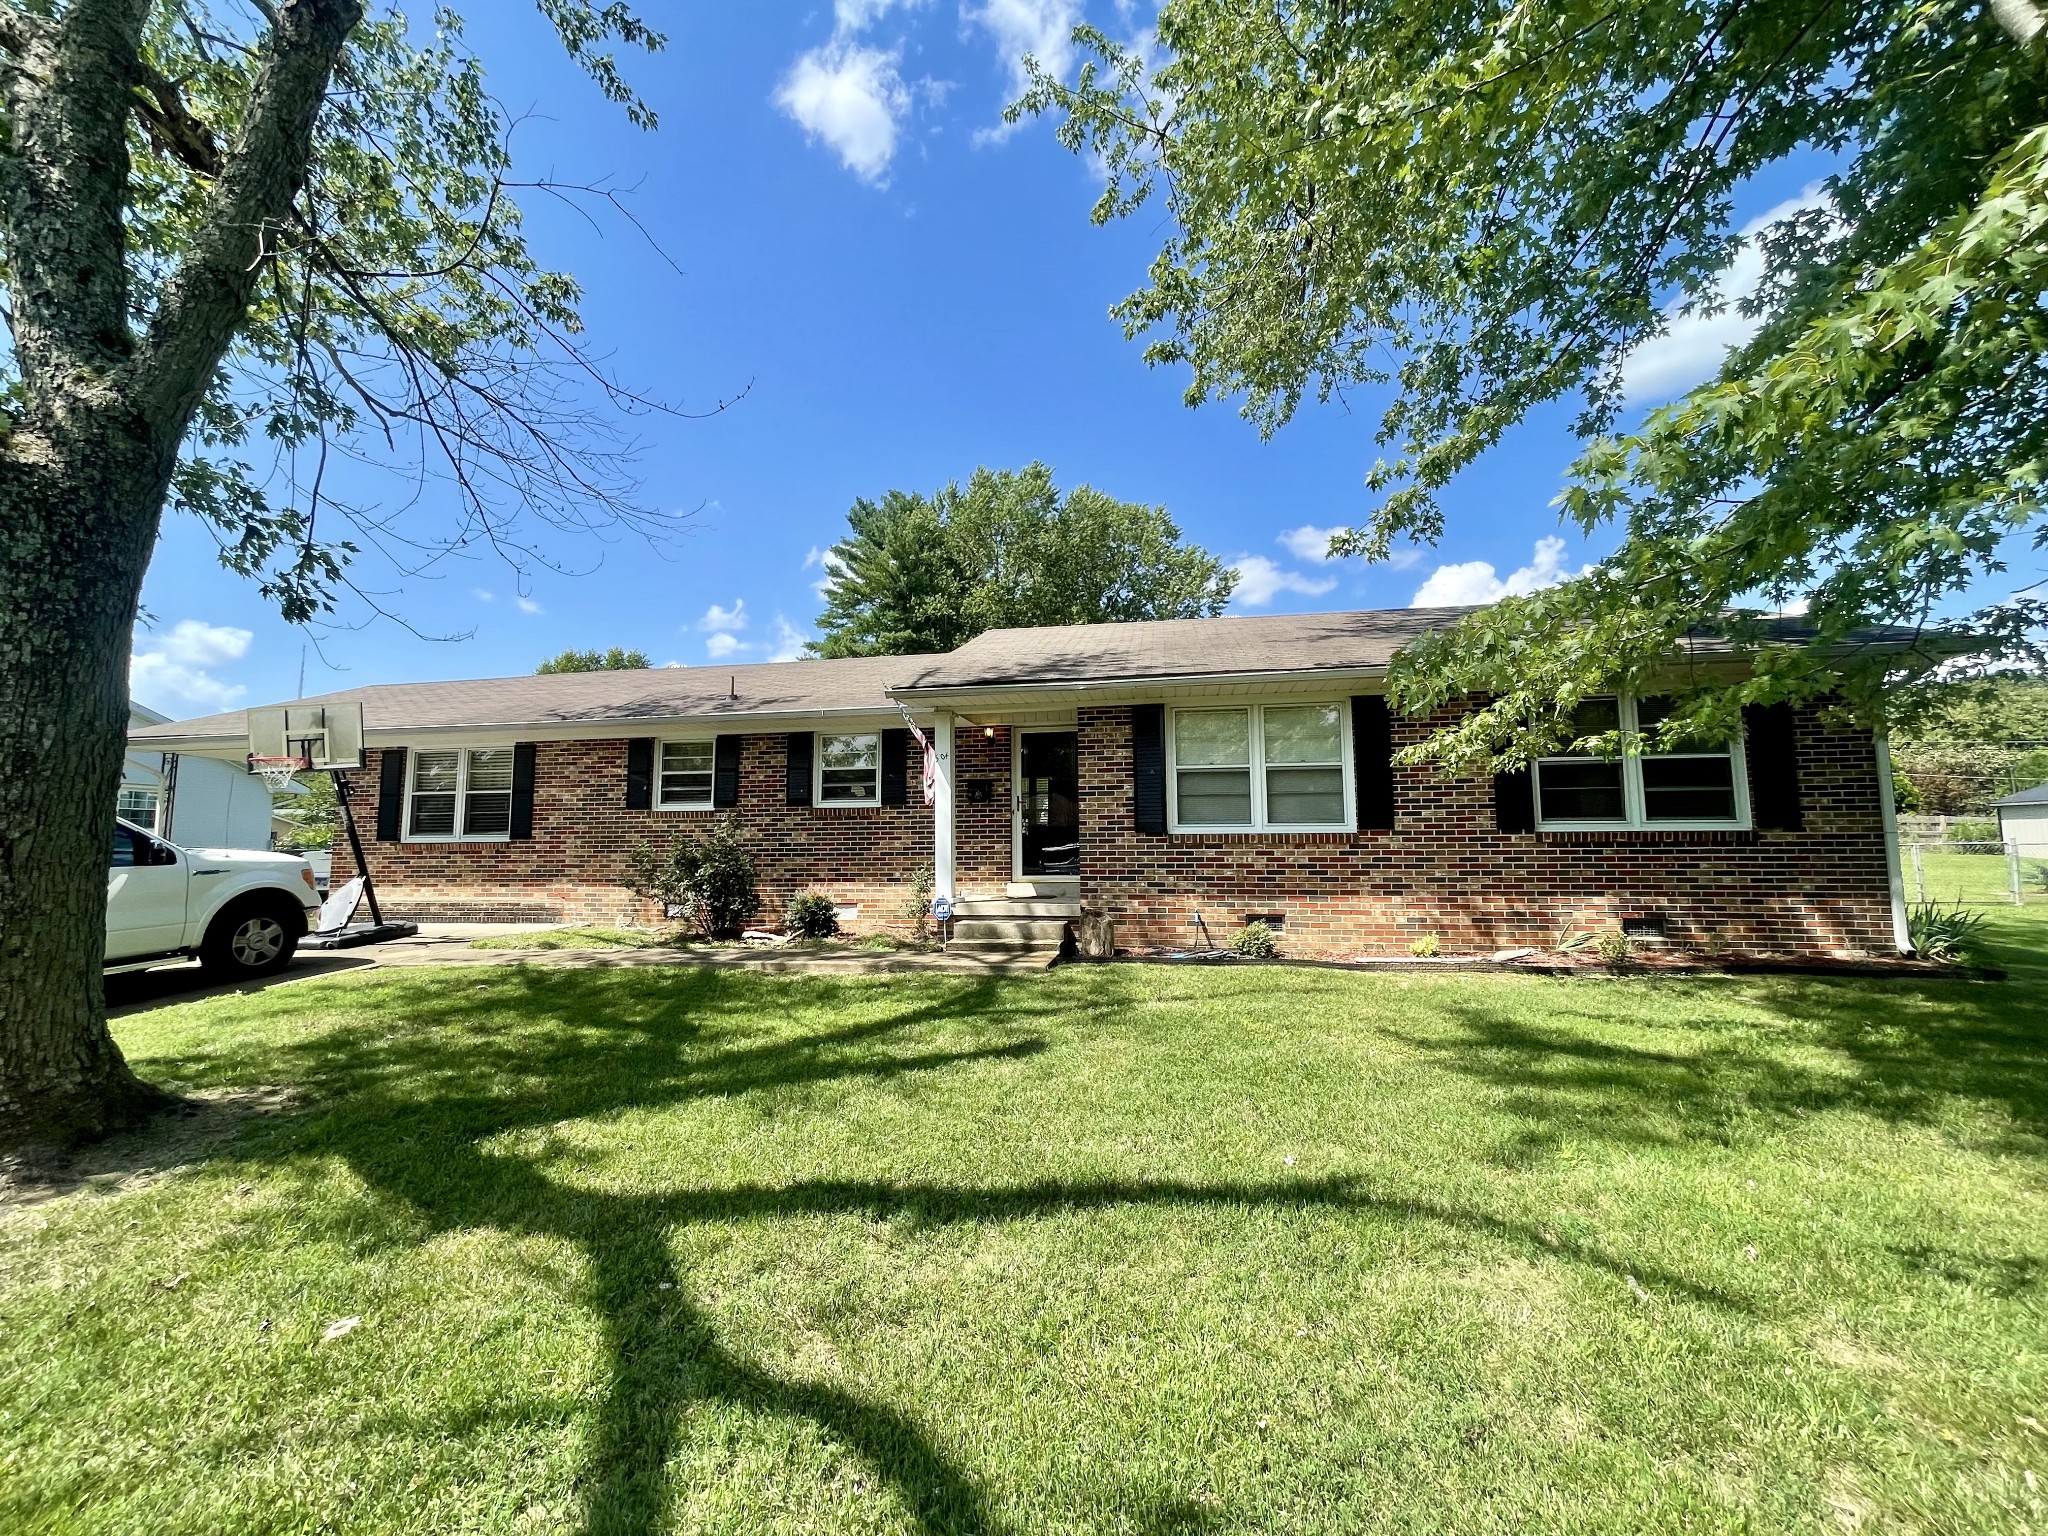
(1446,870)
(569,871)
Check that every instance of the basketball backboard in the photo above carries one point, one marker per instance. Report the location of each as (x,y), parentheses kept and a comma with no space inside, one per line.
(327,736)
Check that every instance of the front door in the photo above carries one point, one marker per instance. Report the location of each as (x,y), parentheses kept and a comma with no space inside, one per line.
(1048,805)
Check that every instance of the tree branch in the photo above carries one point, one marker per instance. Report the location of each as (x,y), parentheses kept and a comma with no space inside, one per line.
(171,126)
(206,302)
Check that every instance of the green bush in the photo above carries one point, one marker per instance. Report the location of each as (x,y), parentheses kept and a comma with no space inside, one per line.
(811,915)
(919,908)
(1253,939)
(1612,946)
(1973,832)
(709,883)
(1426,947)
(1941,933)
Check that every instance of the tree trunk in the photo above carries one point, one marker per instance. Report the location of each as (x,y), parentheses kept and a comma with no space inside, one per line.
(77,521)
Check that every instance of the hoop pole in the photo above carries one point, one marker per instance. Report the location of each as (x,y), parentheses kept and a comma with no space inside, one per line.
(355,843)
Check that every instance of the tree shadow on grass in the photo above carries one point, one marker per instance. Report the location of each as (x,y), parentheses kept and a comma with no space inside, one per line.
(1905,1054)
(424,1104)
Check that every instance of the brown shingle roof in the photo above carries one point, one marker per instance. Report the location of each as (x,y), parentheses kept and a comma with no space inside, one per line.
(1158,648)
(659,693)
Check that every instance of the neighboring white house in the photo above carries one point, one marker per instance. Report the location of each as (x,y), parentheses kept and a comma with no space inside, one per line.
(200,802)
(2023,819)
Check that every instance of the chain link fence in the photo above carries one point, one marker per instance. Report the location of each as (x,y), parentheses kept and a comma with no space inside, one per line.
(1982,873)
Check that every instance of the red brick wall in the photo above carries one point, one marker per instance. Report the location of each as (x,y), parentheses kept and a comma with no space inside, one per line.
(1445,870)
(583,834)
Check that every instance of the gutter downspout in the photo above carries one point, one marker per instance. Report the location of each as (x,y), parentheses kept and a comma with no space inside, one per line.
(1902,929)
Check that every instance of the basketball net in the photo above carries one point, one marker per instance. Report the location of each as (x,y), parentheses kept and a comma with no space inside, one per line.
(277,772)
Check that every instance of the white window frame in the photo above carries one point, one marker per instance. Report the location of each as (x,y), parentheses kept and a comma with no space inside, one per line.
(462,754)
(709,802)
(1635,816)
(154,795)
(818,800)
(1259,823)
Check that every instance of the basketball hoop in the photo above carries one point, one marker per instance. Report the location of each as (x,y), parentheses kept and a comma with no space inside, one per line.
(277,772)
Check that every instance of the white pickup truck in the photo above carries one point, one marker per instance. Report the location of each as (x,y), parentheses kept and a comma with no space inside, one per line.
(242,912)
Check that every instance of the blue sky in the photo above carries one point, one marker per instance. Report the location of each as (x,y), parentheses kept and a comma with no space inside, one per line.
(904,291)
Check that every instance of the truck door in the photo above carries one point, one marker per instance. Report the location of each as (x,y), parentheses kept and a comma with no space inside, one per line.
(145,896)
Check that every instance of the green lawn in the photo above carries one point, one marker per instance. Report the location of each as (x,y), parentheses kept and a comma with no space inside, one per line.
(1114,1249)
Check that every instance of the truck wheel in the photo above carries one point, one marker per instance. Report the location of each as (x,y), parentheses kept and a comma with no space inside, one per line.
(252,938)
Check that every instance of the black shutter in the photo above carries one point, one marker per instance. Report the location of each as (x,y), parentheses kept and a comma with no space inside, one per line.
(522,792)
(725,773)
(1372,760)
(1514,801)
(797,776)
(391,795)
(1148,768)
(640,773)
(1772,747)
(895,767)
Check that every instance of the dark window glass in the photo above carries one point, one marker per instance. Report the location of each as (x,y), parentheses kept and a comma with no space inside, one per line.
(1688,789)
(130,849)
(1581,789)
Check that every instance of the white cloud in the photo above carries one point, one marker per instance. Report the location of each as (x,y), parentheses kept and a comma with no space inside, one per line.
(1042,28)
(483,596)
(721,644)
(789,641)
(528,605)
(1259,581)
(850,16)
(1476,581)
(815,557)
(174,666)
(668,664)
(851,97)
(1693,346)
(716,617)
(1308,542)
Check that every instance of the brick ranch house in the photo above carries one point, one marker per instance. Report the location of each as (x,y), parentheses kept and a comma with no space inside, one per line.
(1232,768)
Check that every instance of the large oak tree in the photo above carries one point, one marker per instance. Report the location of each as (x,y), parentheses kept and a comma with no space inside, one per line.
(236,237)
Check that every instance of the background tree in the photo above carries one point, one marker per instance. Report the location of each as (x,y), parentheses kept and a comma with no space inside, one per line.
(614,660)
(1487,207)
(237,238)
(314,814)
(928,573)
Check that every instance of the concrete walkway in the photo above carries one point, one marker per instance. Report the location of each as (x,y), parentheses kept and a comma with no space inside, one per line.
(448,944)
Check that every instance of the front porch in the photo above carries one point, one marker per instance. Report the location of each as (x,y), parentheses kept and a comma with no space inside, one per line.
(1006,828)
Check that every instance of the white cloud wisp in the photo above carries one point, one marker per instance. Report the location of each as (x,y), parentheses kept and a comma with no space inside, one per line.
(1259,581)
(1476,581)
(853,99)
(176,665)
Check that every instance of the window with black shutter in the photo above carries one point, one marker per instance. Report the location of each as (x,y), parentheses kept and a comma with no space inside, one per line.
(1148,768)
(797,777)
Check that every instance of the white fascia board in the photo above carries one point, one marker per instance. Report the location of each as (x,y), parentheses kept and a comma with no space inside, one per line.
(760,723)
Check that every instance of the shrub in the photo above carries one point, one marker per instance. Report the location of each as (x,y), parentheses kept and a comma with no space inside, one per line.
(2040,875)
(1973,831)
(1253,939)
(1943,933)
(707,883)
(1612,946)
(1426,947)
(919,908)
(811,915)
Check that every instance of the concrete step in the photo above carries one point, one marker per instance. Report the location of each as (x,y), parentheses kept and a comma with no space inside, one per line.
(1002,947)
(1041,930)
(999,908)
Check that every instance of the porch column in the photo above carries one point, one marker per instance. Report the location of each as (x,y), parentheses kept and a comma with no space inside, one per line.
(942,807)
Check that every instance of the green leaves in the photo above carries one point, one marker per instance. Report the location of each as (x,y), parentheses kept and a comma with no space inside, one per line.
(920,574)
(400,315)
(1491,208)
